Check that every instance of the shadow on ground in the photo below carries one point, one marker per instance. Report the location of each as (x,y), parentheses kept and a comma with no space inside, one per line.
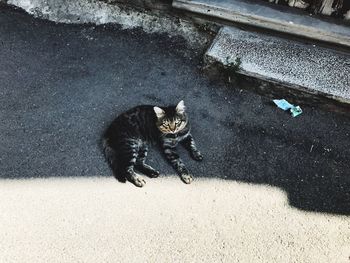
(60,86)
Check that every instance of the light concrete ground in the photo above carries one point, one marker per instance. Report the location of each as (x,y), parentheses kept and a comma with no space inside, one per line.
(97,219)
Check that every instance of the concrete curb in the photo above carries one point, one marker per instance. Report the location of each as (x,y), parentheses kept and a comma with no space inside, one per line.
(265,17)
(275,89)
(284,67)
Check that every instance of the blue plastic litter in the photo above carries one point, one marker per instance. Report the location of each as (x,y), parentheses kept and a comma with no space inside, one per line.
(285,105)
(296,111)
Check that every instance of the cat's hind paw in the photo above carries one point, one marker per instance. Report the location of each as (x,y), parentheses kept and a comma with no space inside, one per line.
(138,181)
(187,178)
(148,170)
(153,174)
(197,156)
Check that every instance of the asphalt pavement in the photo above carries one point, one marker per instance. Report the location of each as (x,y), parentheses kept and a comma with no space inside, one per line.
(61,85)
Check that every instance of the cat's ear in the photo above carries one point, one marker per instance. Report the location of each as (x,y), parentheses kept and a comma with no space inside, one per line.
(159,112)
(180,108)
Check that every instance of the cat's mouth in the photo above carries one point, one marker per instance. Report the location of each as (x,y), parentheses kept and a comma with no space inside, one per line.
(170,132)
(172,135)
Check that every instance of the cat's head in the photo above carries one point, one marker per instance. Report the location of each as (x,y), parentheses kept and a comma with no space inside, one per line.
(171,119)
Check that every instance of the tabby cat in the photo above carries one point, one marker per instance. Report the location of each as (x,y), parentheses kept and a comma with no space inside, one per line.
(126,141)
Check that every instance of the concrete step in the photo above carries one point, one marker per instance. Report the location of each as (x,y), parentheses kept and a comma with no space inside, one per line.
(264,15)
(307,68)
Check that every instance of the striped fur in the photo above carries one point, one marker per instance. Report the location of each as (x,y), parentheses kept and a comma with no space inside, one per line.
(126,141)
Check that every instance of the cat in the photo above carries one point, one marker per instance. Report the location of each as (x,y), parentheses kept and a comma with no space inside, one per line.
(126,141)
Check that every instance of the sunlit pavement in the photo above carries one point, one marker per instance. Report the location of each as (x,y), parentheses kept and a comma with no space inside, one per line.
(99,220)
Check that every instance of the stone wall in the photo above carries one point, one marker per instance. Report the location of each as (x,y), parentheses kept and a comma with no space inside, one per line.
(335,8)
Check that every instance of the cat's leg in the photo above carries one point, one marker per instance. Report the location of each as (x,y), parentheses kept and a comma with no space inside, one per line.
(129,157)
(112,159)
(190,145)
(174,159)
(141,163)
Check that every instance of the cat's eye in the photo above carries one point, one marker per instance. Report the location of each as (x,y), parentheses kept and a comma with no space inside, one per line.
(177,122)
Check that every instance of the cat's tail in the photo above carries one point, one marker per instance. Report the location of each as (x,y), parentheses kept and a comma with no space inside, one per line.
(112,160)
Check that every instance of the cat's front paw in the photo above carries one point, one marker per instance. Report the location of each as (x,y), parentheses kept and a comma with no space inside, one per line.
(196,155)
(187,178)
